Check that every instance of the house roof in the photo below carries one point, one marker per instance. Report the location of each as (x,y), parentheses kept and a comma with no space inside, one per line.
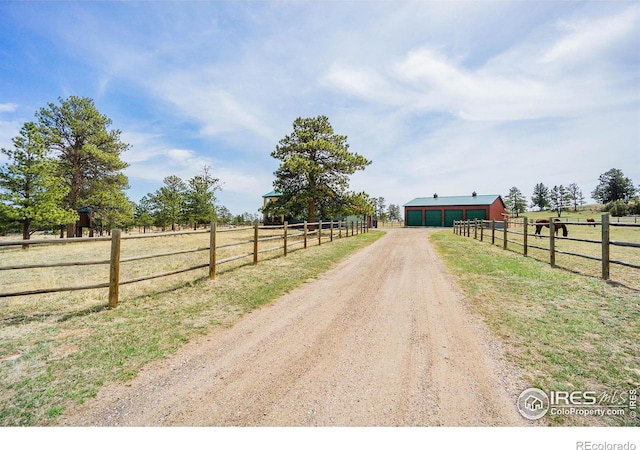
(272,194)
(460,200)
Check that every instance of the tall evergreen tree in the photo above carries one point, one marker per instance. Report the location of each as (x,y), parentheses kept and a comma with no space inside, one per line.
(142,214)
(200,198)
(575,194)
(515,201)
(88,152)
(540,198)
(313,176)
(559,199)
(29,185)
(169,201)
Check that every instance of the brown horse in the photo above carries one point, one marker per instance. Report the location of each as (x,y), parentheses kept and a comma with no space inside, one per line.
(591,220)
(556,225)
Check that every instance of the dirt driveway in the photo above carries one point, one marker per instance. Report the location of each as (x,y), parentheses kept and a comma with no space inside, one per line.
(383,339)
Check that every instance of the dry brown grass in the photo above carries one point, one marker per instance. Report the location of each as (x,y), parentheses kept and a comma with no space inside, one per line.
(75,301)
(58,349)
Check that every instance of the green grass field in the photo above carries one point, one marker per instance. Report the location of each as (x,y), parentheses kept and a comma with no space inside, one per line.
(58,349)
(565,330)
(618,273)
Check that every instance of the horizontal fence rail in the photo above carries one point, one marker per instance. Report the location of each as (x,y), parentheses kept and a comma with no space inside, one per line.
(499,232)
(289,236)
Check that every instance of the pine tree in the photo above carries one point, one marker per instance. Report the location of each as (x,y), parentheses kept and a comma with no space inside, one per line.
(169,202)
(88,153)
(29,185)
(515,201)
(200,198)
(559,199)
(540,198)
(313,177)
(575,194)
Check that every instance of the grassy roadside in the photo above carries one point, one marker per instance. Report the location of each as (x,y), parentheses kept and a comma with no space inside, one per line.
(567,332)
(48,363)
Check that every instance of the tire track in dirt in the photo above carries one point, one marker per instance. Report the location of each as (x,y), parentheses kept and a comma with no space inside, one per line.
(383,339)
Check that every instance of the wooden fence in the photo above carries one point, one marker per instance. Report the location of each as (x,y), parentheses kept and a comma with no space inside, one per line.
(289,236)
(498,233)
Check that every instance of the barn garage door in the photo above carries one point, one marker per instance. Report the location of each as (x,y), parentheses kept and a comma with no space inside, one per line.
(450,215)
(433,218)
(480,214)
(414,218)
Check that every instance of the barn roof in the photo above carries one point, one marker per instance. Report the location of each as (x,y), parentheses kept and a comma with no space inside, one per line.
(460,200)
(272,194)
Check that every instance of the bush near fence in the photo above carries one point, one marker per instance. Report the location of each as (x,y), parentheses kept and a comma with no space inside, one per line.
(518,232)
(249,242)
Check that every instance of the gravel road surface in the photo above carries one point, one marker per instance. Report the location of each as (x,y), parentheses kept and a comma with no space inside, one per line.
(383,339)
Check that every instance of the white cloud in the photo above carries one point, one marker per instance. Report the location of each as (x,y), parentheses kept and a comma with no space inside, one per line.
(8,107)
(528,80)
(588,38)
(442,96)
(197,94)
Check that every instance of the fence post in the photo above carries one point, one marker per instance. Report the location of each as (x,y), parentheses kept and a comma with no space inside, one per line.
(286,224)
(481,230)
(525,243)
(114,269)
(340,228)
(305,234)
(320,232)
(331,231)
(255,243)
(504,232)
(212,251)
(605,246)
(552,242)
(351,229)
(475,228)
(493,231)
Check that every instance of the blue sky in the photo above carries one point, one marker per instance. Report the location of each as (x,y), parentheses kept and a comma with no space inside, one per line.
(446,97)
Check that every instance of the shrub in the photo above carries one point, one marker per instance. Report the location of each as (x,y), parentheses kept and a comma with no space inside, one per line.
(617,208)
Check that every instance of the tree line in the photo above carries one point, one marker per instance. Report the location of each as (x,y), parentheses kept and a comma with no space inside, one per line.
(69,158)
(66,159)
(614,191)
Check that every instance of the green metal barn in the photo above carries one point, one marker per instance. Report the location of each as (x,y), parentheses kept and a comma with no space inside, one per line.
(439,211)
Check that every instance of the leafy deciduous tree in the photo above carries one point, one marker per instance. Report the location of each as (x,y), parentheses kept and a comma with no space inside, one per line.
(394,212)
(613,186)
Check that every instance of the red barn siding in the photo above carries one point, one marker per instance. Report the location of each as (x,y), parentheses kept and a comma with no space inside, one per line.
(494,211)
